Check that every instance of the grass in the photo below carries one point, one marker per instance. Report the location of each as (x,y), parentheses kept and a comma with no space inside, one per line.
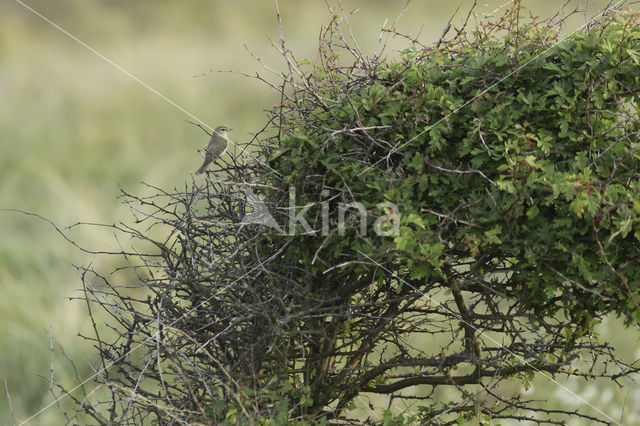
(73,128)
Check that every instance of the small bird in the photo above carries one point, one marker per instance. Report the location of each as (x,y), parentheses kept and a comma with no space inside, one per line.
(217,146)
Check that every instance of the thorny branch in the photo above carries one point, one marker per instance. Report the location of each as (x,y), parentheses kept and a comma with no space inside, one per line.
(224,314)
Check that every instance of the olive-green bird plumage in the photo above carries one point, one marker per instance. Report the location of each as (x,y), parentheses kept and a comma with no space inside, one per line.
(217,146)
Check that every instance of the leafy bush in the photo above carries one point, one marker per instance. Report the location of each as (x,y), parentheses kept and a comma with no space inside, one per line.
(496,177)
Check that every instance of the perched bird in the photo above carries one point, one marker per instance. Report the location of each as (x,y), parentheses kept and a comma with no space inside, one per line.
(217,146)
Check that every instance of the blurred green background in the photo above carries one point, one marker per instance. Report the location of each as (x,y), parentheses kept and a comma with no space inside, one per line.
(73,127)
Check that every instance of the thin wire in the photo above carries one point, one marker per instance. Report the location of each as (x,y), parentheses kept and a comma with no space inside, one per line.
(105,58)
(209,127)
(77,40)
(142,83)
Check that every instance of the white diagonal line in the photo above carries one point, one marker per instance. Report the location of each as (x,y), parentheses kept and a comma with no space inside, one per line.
(105,58)
(142,83)
(77,40)
(209,127)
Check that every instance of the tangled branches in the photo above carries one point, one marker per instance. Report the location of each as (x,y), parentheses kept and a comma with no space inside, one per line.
(459,217)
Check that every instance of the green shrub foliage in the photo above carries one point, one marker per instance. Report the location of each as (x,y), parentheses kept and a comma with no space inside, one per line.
(516,156)
(497,175)
(513,163)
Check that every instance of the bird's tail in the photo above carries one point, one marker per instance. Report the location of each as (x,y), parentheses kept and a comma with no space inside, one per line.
(201,169)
